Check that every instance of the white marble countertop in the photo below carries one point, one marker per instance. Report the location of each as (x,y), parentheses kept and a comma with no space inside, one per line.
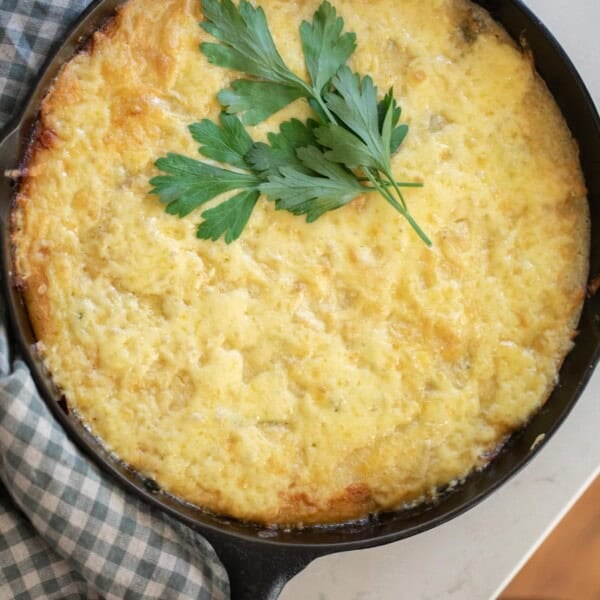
(476,554)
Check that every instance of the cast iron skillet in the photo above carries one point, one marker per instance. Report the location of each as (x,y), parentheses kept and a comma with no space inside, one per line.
(259,561)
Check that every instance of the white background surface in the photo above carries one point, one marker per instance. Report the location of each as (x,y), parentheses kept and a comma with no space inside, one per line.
(473,556)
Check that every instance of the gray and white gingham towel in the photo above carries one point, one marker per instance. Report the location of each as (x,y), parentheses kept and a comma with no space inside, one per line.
(66,531)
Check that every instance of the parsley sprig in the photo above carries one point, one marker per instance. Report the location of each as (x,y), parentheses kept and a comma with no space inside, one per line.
(246,45)
(306,168)
(190,183)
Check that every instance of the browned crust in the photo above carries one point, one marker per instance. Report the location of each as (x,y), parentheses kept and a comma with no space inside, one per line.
(41,140)
(36,138)
(353,502)
(41,137)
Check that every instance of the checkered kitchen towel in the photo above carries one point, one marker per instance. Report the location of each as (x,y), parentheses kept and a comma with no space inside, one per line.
(65,530)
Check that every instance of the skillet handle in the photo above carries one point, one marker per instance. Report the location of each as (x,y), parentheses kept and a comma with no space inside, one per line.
(259,570)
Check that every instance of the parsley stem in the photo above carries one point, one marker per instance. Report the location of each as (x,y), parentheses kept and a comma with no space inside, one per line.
(324,107)
(315,95)
(401,209)
(416,227)
(406,184)
(381,188)
(392,181)
(311,92)
(326,110)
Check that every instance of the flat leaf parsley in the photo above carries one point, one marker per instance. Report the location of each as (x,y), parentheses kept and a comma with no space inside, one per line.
(306,168)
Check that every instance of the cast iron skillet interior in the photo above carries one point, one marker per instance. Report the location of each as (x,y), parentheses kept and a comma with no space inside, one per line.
(260,561)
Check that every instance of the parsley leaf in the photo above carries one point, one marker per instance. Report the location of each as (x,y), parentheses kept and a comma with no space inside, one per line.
(375,124)
(325,49)
(380,138)
(247,46)
(191,183)
(389,106)
(344,147)
(268,159)
(227,144)
(257,100)
(328,187)
(354,103)
(228,218)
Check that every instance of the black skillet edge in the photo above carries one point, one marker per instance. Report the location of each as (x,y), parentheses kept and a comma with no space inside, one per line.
(263,558)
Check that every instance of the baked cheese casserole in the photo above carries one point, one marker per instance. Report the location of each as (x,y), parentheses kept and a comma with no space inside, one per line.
(305,373)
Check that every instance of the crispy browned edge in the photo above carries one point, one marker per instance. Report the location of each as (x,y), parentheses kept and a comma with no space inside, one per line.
(296,509)
(42,138)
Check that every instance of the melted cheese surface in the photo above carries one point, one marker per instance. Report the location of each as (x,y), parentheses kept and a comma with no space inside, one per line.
(306,373)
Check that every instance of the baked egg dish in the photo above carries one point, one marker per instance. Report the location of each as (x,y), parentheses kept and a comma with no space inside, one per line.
(307,372)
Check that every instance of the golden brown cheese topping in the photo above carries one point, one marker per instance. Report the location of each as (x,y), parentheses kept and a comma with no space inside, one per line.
(306,373)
